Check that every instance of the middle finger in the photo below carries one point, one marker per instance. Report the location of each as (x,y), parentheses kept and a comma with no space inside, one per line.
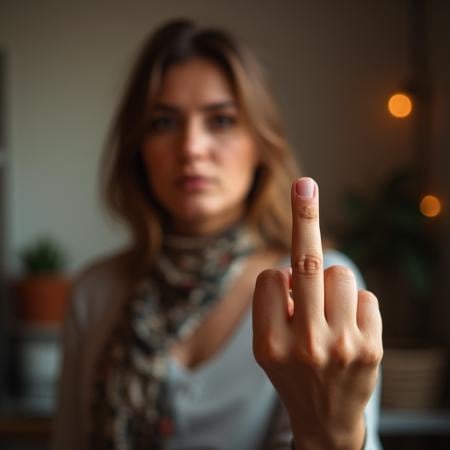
(306,253)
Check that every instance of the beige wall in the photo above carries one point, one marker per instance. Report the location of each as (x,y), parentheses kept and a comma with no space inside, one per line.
(333,64)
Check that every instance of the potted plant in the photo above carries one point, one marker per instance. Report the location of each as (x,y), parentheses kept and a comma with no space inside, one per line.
(44,288)
(395,246)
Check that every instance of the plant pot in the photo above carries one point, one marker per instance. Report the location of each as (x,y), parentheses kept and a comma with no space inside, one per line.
(42,298)
(413,378)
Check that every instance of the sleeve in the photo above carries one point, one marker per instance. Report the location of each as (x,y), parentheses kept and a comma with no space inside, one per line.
(66,431)
(372,414)
(280,435)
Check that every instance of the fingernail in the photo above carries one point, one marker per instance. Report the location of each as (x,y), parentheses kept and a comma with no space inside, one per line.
(305,187)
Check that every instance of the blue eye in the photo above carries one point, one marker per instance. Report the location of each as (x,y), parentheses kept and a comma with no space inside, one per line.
(162,123)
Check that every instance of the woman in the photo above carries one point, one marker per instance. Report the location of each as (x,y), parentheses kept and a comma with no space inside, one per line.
(158,339)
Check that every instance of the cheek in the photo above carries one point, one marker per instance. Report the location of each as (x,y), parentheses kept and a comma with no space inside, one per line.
(156,163)
(157,170)
(242,162)
(150,163)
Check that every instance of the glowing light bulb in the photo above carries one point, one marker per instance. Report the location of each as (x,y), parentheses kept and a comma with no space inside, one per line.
(430,206)
(400,105)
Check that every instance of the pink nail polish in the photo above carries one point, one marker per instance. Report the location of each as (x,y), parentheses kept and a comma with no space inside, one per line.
(305,187)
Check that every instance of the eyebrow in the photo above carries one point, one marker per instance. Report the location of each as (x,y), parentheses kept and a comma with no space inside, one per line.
(166,107)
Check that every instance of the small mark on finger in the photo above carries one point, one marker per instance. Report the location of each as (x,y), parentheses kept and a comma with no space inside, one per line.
(308,212)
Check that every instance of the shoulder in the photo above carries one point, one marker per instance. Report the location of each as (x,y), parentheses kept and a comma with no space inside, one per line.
(99,284)
(103,270)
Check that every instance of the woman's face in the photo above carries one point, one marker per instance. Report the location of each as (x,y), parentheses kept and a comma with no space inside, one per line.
(199,154)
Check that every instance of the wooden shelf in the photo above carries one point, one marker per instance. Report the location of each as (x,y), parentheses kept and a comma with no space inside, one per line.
(20,425)
(22,428)
(399,422)
(21,422)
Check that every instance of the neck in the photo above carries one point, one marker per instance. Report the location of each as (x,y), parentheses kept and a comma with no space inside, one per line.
(204,228)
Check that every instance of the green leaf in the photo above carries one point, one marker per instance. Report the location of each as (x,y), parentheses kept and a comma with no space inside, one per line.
(44,255)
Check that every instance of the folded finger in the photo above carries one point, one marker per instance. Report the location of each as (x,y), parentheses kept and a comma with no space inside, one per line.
(341,297)
(270,314)
(368,314)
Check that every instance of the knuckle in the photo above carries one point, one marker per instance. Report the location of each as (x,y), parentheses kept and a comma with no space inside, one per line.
(343,351)
(367,296)
(269,276)
(269,352)
(311,353)
(308,212)
(370,355)
(315,357)
(307,264)
(340,272)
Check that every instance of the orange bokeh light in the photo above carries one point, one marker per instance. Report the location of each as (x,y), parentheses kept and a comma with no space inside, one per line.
(430,206)
(400,105)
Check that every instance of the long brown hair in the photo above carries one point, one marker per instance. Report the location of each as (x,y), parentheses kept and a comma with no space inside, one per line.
(124,183)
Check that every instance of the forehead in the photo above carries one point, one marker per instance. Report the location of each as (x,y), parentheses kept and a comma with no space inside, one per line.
(195,82)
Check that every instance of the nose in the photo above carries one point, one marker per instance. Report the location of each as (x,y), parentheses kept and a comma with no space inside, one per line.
(194,140)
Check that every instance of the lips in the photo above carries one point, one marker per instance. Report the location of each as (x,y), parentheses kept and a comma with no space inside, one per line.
(194,183)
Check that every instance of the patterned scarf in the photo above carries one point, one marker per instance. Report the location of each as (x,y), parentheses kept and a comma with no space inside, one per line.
(131,407)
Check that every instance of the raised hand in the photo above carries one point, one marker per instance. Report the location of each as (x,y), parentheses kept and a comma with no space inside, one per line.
(317,337)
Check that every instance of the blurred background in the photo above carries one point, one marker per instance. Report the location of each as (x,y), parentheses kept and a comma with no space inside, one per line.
(364,88)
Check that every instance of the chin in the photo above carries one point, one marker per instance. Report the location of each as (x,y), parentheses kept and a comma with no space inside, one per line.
(192,209)
(204,218)
(194,215)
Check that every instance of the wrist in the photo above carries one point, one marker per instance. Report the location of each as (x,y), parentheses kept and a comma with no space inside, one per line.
(339,440)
